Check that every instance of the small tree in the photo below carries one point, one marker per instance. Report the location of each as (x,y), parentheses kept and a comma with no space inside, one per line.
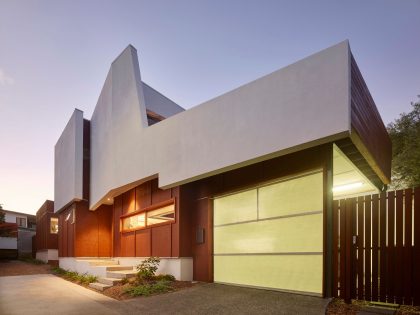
(147,268)
(405,137)
(2,214)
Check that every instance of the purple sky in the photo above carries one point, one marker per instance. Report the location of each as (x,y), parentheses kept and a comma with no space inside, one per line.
(54,56)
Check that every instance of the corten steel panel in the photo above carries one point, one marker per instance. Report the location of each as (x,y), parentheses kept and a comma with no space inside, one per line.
(143,243)
(159,195)
(129,201)
(161,241)
(116,226)
(44,239)
(128,244)
(86,238)
(104,214)
(367,122)
(143,196)
(184,220)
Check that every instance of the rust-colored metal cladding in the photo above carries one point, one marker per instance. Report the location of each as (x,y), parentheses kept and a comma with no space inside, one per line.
(368,131)
(45,239)
(159,239)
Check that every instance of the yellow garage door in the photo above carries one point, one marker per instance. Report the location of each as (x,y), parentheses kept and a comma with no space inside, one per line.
(271,236)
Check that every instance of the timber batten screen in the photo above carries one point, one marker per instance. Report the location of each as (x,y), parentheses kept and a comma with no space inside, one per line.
(271,237)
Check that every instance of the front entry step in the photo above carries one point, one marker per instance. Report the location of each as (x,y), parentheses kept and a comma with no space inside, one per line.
(114,273)
(99,286)
(121,274)
(109,281)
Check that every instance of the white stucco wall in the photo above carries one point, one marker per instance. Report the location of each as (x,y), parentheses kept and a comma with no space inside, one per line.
(68,163)
(301,105)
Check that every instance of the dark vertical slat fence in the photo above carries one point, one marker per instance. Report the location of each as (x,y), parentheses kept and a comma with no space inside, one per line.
(377,247)
(382,248)
(416,249)
(360,245)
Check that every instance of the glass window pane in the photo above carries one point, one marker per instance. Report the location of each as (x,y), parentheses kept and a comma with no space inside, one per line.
(54,225)
(134,222)
(161,215)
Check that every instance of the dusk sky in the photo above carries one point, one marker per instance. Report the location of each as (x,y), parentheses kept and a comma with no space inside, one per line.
(54,56)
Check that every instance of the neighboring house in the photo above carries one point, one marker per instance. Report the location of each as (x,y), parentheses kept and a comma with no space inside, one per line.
(46,239)
(8,240)
(237,190)
(26,225)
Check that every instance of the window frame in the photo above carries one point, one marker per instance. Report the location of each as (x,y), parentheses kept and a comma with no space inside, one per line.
(51,219)
(156,206)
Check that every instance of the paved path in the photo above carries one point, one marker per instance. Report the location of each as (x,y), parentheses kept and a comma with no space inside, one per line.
(47,294)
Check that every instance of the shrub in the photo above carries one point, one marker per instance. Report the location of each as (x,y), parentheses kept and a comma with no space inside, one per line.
(58,270)
(169,278)
(147,268)
(32,261)
(148,289)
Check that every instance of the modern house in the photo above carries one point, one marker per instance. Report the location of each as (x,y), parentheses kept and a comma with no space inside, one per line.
(20,243)
(237,190)
(46,240)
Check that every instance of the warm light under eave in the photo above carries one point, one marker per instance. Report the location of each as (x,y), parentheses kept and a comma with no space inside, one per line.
(347,187)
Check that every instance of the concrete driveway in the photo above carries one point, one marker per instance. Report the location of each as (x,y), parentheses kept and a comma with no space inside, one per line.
(48,294)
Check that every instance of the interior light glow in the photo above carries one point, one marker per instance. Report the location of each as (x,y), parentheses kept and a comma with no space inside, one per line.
(347,187)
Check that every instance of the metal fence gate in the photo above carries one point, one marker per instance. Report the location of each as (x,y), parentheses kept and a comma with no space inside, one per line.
(376,247)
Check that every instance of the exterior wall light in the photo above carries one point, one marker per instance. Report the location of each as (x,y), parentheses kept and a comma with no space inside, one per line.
(347,187)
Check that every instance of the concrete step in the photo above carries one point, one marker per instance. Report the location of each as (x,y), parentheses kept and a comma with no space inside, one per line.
(109,281)
(99,286)
(121,274)
(118,267)
(104,263)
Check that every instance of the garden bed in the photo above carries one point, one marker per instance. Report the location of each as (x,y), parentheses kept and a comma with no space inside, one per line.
(338,307)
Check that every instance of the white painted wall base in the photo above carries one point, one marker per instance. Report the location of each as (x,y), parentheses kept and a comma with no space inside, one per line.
(47,254)
(180,268)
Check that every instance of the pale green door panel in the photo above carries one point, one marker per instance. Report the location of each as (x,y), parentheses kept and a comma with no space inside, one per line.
(271,236)
(300,273)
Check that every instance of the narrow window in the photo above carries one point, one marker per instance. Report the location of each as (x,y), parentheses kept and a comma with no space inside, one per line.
(54,226)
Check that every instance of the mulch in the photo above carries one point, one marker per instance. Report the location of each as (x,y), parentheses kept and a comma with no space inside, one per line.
(338,307)
(20,268)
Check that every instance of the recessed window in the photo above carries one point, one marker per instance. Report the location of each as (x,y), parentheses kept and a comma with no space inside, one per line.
(165,214)
(161,215)
(54,226)
(21,222)
(134,222)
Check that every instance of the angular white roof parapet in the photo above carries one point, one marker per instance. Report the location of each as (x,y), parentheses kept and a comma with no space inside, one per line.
(68,163)
(159,103)
(302,105)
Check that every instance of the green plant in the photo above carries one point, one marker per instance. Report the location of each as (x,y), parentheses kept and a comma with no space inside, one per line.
(147,268)
(170,278)
(148,289)
(124,281)
(58,270)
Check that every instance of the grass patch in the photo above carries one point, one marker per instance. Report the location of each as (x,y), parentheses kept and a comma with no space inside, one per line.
(147,289)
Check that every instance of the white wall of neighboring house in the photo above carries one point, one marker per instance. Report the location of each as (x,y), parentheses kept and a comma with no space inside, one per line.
(11,218)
